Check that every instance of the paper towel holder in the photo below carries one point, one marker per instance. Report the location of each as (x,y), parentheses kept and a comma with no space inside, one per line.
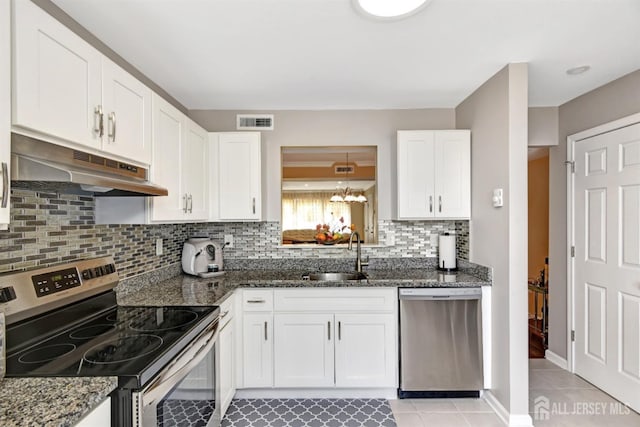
(447,264)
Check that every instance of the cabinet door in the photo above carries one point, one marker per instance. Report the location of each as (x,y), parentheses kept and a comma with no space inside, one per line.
(226,345)
(57,78)
(5,112)
(366,354)
(257,358)
(303,350)
(194,169)
(453,174)
(127,114)
(240,188)
(100,416)
(166,166)
(415,174)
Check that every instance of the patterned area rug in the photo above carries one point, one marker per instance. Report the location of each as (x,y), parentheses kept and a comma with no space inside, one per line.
(309,412)
(185,413)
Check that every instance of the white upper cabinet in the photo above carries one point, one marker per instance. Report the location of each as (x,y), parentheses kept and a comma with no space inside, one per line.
(166,169)
(5,112)
(180,164)
(127,114)
(237,181)
(434,174)
(194,171)
(68,91)
(57,78)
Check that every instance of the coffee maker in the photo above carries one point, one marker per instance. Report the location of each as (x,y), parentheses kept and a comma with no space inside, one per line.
(202,257)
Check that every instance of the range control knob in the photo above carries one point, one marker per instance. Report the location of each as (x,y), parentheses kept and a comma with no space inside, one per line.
(7,294)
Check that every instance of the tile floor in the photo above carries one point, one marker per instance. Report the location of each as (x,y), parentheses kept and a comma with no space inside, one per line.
(566,394)
(572,402)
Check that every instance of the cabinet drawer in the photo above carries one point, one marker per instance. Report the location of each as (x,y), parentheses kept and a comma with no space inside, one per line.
(257,300)
(226,311)
(336,299)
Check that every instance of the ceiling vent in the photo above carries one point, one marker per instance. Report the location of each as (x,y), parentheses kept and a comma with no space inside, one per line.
(344,169)
(254,121)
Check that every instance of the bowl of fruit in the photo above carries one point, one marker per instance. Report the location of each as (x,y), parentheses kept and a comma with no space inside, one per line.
(330,235)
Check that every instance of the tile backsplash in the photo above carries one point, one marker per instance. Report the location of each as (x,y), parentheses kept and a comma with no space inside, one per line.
(49,228)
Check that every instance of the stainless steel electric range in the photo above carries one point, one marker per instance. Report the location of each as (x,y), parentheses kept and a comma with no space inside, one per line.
(64,321)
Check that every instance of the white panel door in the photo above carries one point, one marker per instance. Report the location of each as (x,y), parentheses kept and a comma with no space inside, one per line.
(240,176)
(303,350)
(57,78)
(415,170)
(226,344)
(366,350)
(607,262)
(257,344)
(452,160)
(166,166)
(127,114)
(194,169)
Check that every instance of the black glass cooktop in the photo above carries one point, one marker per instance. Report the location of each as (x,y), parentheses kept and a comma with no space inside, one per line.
(132,343)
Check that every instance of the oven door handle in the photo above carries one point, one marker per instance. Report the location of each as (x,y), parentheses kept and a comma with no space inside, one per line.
(186,361)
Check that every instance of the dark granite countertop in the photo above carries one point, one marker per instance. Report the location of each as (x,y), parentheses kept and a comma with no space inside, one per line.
(51,401)
(190,290)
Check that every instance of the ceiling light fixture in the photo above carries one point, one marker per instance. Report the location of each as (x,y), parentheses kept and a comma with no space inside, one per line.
(578,70)
(346,195)
(390,9)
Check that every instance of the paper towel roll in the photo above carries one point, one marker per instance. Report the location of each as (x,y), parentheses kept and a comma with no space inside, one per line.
(447,251)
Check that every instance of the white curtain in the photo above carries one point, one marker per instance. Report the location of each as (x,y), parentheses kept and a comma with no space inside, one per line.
(304,210)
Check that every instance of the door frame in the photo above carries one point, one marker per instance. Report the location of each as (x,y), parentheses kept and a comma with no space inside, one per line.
(572,140)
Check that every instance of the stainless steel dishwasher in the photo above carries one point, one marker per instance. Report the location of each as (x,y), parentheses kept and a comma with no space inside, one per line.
(440,342)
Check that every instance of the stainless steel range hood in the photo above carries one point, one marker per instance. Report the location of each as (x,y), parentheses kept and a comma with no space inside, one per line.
(36,164)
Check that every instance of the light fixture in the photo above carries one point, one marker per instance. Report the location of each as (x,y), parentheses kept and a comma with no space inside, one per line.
(390,9)
(578,70)
(347,195)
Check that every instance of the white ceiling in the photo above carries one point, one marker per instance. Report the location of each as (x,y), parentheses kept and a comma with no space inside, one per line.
(321,54)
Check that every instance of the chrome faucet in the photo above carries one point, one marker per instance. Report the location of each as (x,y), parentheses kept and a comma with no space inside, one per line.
(359,262)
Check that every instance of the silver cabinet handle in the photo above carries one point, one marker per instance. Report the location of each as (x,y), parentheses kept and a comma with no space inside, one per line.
(184,203)
(224,314)
(98,121)
(190,203)
(254,205)
(329,331)
(255,301)
(112,127)
(430,203)
(5,184)
(265,331)
(440,203)
(339,330)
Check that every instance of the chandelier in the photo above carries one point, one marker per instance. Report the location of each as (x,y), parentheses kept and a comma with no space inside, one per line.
(347,195)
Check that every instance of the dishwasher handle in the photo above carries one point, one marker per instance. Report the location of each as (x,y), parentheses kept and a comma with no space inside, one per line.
(439,294)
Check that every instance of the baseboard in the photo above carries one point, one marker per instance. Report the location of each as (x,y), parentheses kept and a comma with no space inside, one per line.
(317,393)
(556,360)
(507,418)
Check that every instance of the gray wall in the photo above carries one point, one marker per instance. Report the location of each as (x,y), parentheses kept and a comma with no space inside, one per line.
(543,126)
(617,99)
(332,127)
(496,113)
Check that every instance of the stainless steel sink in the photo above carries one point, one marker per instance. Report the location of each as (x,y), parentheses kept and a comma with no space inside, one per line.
(334,277)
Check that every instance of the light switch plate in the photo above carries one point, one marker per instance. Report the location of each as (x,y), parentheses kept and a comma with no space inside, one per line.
(228,239)
(159,249)
(498,199)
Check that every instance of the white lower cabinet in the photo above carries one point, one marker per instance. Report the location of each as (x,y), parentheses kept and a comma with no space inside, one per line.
(322,338)
(303,346)
(100,416)
(365,350)
(227,360)
(257,342)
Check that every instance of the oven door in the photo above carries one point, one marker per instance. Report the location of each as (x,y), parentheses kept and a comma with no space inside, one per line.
(187,391)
